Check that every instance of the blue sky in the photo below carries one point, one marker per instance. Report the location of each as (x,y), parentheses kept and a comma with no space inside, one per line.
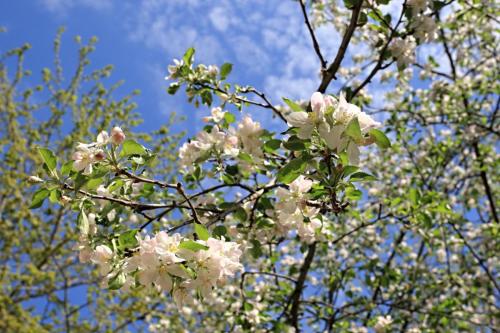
(265,40)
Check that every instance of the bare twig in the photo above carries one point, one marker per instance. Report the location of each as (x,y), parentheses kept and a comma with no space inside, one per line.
(316,46)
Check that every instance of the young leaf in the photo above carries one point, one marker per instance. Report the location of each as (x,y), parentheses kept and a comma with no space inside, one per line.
(219,231)
(225,70)
(38,198)
(291,171)
(130,147)
(361,176)
(127,239)
(192,246)
(201,231)
(67,168)
(295,144)
(83,223)
(117,281)
(55,195)
(353,130)
(380,139)
(272,145)
(49,158)
(188,56)
(229,117)
(349,169)
(294,106)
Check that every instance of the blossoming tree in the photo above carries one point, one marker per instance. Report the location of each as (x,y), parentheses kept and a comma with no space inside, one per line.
(319,223)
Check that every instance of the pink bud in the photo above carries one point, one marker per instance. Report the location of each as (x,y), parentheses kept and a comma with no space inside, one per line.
(317,101)
(233,140)
(117,135)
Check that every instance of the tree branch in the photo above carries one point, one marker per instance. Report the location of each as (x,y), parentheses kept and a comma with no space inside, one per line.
(316,46)
(329,74)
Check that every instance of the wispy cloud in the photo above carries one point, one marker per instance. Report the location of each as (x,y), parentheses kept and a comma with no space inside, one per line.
(62,7)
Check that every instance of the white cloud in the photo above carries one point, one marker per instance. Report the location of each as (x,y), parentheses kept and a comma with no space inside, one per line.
(61,7)
(220,18)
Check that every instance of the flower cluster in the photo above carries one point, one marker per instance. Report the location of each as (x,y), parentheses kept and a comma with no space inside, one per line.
(294,210)
(222,143)
(88,154)
(331,118)
(203,71)
(166,263)
(425,28)
(403,50)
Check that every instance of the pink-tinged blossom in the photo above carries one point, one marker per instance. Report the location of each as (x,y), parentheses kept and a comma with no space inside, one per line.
(85,156)
(117,136)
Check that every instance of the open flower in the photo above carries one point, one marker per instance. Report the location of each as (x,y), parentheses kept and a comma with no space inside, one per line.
(85,156)
(306,122)
(335,138)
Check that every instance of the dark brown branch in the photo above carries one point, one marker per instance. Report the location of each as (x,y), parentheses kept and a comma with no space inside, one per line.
(329,74)
(484,179)
(299,286)
(316,46)
(146,180)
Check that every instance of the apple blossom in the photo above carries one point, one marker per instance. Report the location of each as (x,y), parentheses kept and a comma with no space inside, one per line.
(117,136)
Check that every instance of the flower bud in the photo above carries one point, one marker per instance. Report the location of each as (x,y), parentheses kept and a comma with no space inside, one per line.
(65,199)
(117,135)
(35,179)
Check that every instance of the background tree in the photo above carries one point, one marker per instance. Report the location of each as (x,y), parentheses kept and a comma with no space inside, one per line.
(44,288)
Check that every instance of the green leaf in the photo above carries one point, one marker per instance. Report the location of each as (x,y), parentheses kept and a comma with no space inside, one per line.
(131,147)
(240,214)
(201,231)
(80,180)
(49,158)
(361,177)
(292,170)
(353,194)
(353,130)
(39,197)
(245,157)
(127,239)
(350,4)
(172,88)
(83,223)
(272,145)
(229,117)
(362,20)
(192,246)
(380,138)
(349,169)
(256,250)
(219,231)
(414,196)
(295,144)
(188,56)
(92,184)
(225,70)
(117,281)
(67,168)
(437,5)
(115,185)
(294,106)
(55,195)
